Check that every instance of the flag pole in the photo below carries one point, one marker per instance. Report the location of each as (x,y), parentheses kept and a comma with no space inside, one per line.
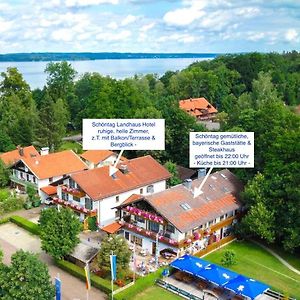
(112,279)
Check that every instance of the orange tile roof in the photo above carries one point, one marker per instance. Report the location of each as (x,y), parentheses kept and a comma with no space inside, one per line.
(220,196)
(9,158)
(95,156)
(49,190)
(142,171)
(54,164)
(112,228)
(196,106)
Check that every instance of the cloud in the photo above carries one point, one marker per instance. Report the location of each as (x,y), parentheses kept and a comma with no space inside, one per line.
(128,20)
(5,25)
(182,16)
(112,25)
(291,35)
(255,36)
(181,38)
(78,3)
(64,35)
(147,27)
(113,37)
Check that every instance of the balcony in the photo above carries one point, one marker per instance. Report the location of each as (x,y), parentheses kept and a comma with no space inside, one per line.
(73,191)
(76,207)
(144,214)
(149,234)
(22,181)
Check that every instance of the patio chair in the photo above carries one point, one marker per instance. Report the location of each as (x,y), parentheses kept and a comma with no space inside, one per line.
(202,284)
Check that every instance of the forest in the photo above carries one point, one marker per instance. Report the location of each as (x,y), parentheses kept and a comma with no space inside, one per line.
(253,92)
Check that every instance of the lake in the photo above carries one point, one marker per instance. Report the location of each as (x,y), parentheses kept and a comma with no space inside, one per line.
(33,72)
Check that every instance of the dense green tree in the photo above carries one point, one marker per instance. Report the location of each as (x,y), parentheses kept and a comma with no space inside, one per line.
(60,80)
(6,143)
(53,119)
(172,168)
(228,258)
(4,174)
(18,115)
(26,278)
(118,245)
(59,231)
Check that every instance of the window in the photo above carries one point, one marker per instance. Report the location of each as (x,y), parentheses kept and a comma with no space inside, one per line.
(117,214)
(64,196)
(117,198)
(50,179)
(150,188)
(185,206)
(34,179)
(138,241)
(27,177)
(88,204)
(76,199)
(72,183)
(170,228)
(141,191)
(153,226)
(139,219)
(222,217)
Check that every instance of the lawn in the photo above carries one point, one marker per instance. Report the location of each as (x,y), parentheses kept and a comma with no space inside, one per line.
(71,146)
(255,262)
(155,293)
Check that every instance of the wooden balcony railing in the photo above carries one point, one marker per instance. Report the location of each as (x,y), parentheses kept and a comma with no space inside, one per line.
(149,234)
(73,191)
(76,207)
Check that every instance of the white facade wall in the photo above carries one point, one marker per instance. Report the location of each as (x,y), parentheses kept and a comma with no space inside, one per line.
(107,215)
(147,243)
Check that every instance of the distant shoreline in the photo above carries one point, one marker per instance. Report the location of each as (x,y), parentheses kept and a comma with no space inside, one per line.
(74,56)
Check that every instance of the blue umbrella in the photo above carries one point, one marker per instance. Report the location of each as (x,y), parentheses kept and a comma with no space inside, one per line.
(190,264)
(217,275)
(247,287)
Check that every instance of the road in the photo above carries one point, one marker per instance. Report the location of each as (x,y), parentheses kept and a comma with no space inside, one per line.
(14,238)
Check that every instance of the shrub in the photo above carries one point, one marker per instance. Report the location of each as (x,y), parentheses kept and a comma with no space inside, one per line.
(26,224)
(229,258)
(100,283)
(9,201)
(27,205)
(140,285)
(4,220)
(92,221)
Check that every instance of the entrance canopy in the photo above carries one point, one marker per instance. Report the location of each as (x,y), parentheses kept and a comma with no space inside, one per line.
(239,284)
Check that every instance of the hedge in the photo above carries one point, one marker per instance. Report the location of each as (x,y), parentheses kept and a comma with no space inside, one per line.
(140,285)
(26,224)
(102,284)
(4,220)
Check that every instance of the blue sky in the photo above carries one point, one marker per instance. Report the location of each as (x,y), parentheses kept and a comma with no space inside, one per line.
(218,26)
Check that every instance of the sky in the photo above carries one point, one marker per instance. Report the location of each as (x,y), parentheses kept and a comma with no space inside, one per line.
(199,26)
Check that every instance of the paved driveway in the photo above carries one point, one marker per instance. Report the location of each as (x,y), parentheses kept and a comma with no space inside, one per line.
(13,238)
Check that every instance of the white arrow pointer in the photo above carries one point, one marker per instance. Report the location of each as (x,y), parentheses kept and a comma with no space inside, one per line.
(197,190)
(113,169)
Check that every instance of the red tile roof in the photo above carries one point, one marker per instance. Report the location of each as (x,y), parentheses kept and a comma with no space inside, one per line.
(54,164)
(49,190)
(142,171)
(95,156)
(197,106)
(9,158)
(111,228)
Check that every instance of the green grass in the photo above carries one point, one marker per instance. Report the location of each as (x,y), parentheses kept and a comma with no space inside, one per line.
(292,259)
(155,293)
(71,146)
(255,262)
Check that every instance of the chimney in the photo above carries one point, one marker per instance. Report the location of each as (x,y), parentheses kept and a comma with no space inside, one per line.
(44,151)
(20,150)
(188,183)
(124,169)
(201,173)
